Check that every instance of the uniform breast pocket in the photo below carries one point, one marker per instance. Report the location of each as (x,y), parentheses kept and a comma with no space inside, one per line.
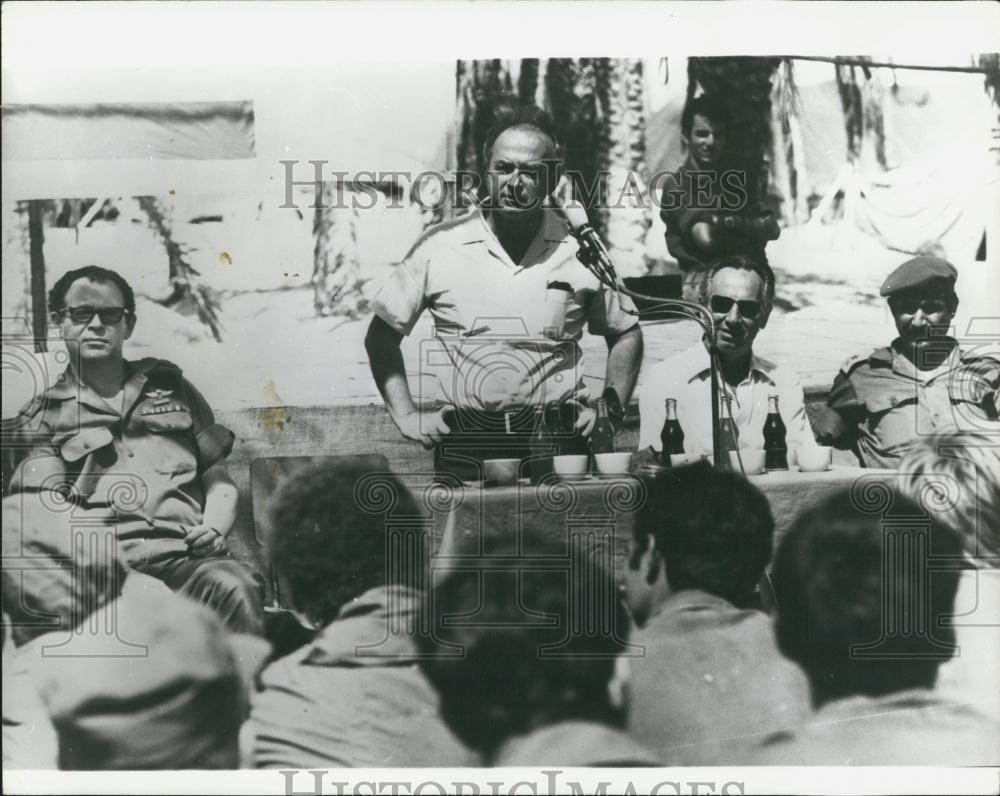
(892,415)
(87,442)
(169,443)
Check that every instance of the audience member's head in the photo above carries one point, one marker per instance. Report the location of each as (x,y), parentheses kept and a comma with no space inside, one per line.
(864,599)
(699,529)
(55,575)
(515,642)
(957,478)
(166,690)
(332,539)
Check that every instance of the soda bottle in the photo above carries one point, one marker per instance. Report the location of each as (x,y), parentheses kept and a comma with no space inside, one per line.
(541,448)
(672,435)
(602,440)
(728,436)
(775,447)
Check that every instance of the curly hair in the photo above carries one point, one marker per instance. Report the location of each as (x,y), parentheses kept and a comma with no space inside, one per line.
(836,574)
(957,476)
(512,645)
(57,295)
(713,531)
(337,532)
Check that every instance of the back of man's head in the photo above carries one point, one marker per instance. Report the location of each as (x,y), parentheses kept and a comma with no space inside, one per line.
(713,530)
(338,531)
(517,640)
(957,476)
(55,573)
(864,599)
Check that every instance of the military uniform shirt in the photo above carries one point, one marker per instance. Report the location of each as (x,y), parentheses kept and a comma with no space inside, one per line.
(140,456)
(881,403)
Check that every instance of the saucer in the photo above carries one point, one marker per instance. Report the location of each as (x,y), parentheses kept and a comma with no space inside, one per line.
(574,478)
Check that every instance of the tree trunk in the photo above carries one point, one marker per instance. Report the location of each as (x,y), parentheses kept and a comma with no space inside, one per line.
(189,294)
(336,280)
(789,182)
(36,242)
(743,86)
(864,118)
(622,157)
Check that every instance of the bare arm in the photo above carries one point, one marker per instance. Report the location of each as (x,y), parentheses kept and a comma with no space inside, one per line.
(386,360)
(220,498)
(624,358)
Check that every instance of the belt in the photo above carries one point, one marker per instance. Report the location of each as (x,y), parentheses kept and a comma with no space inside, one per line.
(517,421)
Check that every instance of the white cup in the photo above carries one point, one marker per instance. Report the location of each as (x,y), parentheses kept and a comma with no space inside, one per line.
(752,458)
(813,458)
(680,459)
(502,471)
(613,463)
(570,466)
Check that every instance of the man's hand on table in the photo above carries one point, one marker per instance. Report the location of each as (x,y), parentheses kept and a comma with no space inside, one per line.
(427,428)
(204,540)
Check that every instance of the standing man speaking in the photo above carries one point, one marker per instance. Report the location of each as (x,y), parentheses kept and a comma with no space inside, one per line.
(510,301)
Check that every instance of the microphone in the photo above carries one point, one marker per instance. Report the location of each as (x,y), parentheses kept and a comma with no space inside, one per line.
(575,216)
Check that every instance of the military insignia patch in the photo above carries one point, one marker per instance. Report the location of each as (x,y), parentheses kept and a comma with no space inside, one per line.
(158,402)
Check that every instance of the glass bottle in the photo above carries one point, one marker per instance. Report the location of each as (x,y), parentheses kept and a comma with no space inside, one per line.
(775,446)
(602,440)
(541,448)
(728,436)
(672,435)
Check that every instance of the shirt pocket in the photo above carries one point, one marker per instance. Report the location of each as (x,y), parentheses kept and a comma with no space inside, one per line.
(85,443)
(169,442)
(892,417)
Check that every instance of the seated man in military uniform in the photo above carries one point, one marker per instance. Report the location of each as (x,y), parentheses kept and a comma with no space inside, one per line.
(135,446)
(920,384)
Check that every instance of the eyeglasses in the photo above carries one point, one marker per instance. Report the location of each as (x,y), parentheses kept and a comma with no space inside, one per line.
(909,306)
(84,315)
(721,305)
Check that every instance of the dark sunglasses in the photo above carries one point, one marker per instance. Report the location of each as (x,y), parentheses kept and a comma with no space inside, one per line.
(909,306)
(84,315)
(721,305)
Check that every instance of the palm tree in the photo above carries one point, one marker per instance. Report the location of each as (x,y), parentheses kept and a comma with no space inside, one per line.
(864,116)
(788,165)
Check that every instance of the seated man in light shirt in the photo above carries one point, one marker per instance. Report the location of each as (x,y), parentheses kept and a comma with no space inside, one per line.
(739,291)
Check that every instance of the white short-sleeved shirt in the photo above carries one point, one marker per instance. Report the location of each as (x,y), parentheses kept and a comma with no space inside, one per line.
(502,338)
(686,377)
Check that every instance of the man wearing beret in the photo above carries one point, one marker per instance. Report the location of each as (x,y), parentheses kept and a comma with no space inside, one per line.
(922,383)
(134,446)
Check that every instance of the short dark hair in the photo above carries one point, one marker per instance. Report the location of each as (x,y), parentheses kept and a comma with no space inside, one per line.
(705,105)
(509,115)
(57,295)
(713,530)
(512,645)
(332,532)
(742,262)
(836,571)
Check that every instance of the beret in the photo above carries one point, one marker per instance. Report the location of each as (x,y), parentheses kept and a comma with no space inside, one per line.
(917,272)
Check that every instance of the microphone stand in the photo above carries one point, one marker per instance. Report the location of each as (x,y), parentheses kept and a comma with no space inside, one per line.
(599,264)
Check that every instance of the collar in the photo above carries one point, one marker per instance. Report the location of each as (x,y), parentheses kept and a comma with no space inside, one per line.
(370,630)
(861,705)
(893,357)
(692,600)
(695,366)
(67,386)
(551,232)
